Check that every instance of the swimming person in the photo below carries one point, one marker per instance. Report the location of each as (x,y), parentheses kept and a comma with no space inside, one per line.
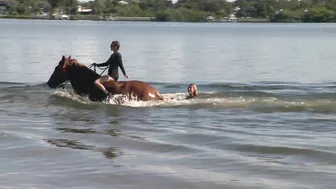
(192,91)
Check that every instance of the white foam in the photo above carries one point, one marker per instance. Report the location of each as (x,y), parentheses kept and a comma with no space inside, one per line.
(178,99)
(72,96)
(172,99)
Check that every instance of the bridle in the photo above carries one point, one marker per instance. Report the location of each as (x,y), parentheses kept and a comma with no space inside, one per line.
(64,69)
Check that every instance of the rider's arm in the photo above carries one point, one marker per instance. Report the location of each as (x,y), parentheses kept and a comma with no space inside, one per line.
(105,63)
(121,64)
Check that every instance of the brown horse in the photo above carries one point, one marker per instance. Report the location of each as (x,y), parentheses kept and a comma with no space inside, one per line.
(82,80)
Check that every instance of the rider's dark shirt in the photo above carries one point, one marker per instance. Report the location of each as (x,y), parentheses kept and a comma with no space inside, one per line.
(114,62)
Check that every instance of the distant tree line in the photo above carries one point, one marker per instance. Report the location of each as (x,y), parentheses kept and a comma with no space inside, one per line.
(288,10)
(27,7)
(188,10)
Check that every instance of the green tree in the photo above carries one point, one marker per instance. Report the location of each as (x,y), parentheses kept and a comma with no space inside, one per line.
(54,3)
(191,10)
(319,14)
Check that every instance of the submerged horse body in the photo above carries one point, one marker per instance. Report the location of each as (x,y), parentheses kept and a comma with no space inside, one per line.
(82,80)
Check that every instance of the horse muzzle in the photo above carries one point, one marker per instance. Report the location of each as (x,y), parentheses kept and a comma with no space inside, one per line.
(51,84)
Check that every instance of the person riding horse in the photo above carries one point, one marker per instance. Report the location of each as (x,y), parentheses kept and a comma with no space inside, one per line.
(82,80)
(114,62)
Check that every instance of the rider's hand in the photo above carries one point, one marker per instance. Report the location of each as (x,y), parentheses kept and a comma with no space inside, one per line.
(94,64)
(126,76)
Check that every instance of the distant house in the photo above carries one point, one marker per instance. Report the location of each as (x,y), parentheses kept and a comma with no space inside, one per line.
(6,3)
(231,18)
(210,19)
(83,10)
(60,16)
(123,2)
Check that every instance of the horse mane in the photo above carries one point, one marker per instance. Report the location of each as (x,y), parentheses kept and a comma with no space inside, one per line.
(74,63)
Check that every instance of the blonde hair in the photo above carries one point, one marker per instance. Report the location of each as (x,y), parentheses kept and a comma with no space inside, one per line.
(195,88)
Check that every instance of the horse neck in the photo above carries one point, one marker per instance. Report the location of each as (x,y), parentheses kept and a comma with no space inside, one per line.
(81,78)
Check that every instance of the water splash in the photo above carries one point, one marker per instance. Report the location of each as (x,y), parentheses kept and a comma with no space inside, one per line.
(217,100)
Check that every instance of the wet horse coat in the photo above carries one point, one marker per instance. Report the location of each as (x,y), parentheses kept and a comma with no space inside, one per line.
(82,80)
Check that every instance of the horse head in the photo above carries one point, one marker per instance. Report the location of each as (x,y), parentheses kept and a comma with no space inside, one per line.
(81,78)
(59,75)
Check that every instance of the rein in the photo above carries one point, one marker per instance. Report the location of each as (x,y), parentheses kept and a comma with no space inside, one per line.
(62,85)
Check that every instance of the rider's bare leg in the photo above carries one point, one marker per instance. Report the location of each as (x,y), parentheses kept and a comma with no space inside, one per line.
(100,81)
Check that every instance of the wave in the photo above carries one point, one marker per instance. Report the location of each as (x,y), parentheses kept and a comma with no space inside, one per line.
(20,85)
(261,97)
(109,152)
(320,155)
(223,87)
(254,86)
(209,100)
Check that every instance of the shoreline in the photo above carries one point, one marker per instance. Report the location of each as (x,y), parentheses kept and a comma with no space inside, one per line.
(121,18)
(144,19)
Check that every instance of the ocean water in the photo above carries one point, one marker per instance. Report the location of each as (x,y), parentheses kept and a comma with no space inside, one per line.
(264,117)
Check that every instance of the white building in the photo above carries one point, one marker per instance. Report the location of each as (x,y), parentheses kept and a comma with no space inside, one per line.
(83,10)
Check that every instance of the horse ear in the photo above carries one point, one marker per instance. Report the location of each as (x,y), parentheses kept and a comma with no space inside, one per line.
(69,57)
(65,62)
(62,61)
